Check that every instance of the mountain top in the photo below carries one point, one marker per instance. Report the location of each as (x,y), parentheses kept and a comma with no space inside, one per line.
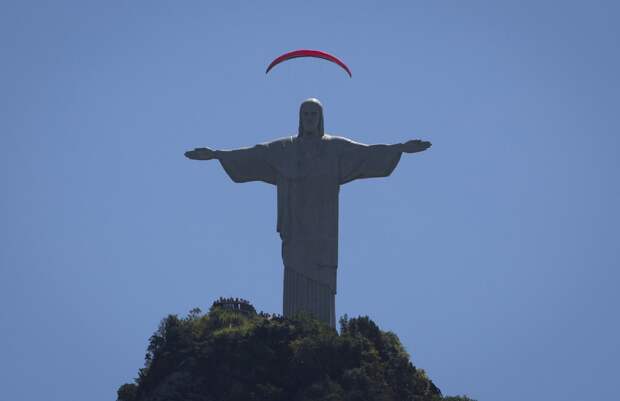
(226,355)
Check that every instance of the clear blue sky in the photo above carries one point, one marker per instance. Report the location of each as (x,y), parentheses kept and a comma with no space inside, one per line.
(494,256)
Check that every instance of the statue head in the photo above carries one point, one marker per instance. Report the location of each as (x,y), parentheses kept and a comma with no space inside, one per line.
(311,118)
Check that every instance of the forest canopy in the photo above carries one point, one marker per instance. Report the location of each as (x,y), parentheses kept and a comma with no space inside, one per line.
(226,355)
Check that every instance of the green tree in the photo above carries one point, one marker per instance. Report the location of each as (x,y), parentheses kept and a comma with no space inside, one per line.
(127,392)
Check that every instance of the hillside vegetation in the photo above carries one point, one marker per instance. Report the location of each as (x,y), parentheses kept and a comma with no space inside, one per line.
(229,356)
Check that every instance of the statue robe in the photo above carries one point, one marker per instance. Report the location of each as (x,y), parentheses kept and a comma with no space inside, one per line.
(308,173)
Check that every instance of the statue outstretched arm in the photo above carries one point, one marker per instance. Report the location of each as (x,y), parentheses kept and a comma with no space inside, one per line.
(358,160)
(241,165)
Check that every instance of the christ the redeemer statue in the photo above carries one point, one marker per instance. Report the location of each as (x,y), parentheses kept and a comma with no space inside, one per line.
(308,171)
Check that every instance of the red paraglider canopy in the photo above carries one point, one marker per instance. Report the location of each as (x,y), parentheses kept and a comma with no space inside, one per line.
(308,53)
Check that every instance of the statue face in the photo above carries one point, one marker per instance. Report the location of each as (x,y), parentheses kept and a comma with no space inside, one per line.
(310,117)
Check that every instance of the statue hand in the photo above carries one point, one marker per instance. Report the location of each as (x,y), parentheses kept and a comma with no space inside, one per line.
(200,154)
(415,145)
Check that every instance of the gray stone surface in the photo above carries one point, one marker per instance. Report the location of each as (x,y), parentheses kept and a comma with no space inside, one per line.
(308,170)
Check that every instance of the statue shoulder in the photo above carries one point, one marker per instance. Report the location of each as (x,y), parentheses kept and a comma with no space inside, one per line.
(280,143)
(340,141)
